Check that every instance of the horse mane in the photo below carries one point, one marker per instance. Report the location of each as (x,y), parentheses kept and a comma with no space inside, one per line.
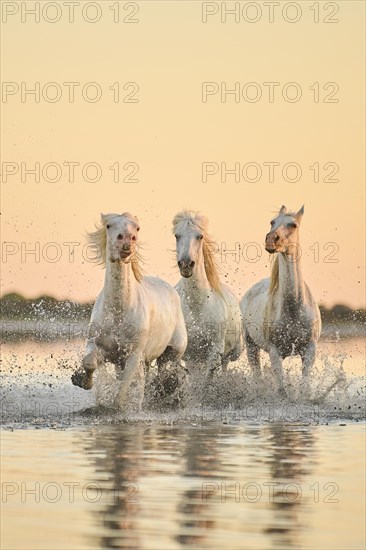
(98,239)
(275,275)
(195,220)
(273,286)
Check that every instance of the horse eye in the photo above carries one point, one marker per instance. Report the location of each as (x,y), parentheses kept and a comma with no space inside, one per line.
(272,222)
(199,237)
(108,226)
(177,236)
(137,229)
(292,224)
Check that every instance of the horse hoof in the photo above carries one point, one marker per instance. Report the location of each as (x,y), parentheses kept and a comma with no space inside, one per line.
(82,379)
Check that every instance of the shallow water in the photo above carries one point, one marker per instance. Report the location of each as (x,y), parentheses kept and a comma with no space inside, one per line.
(204,486)
(235,468)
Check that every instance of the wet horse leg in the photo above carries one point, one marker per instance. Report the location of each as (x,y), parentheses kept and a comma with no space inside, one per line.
(92,359)
(307,357)
(276,362)
(134,366)
(172,374)
(253,354)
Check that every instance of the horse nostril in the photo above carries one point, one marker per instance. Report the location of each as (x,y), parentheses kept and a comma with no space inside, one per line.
(191,264)
(120,236)
(276,237)
(180,263)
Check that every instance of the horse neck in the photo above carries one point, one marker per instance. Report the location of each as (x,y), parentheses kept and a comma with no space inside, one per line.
(291,285)
(120,285)
(197,285)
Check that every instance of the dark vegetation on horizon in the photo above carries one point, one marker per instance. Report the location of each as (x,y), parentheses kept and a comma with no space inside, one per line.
(15,306)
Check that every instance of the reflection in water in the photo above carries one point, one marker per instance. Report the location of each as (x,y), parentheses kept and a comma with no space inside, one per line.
(290,463)
(118,455)
(127,458)
(151,479)
(200,461)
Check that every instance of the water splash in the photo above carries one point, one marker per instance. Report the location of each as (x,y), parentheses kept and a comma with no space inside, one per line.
(37,391)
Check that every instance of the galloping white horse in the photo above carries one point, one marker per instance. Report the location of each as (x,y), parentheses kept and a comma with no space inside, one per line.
(280,315)
(135,319)
(210,309)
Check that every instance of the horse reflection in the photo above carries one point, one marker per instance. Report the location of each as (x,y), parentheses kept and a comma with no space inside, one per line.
(200,461)
(291,461)
(120,458)
(132,458)
(153,477)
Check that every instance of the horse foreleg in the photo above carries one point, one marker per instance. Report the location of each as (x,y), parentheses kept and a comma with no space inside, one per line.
(134,366)
(307,358)
(276,362)
(253,354)
(214,362)
(92,359)
(172,376)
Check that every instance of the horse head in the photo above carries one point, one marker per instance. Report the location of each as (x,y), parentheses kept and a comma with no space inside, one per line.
(284,234)
(121,232)
(189,230)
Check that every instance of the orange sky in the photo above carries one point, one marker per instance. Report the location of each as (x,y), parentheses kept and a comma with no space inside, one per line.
(170,132)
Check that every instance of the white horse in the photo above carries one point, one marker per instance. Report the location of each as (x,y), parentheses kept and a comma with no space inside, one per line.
(135,319)
(280,315)
(210,309)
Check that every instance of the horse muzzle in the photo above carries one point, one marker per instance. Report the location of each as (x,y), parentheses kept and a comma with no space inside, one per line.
(125,252)
(271,248)
(186,268)
(271,243)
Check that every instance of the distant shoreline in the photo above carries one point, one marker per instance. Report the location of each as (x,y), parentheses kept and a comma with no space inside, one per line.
(49,330)
(48,319)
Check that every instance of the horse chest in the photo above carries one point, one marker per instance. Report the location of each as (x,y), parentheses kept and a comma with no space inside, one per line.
(200,321)
(290,335)
(199,308)
(205,334)
(118,336)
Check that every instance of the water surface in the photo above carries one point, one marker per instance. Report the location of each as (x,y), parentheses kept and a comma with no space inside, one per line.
(234,469)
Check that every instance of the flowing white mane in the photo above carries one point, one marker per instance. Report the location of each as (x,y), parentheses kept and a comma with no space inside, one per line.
(194,220)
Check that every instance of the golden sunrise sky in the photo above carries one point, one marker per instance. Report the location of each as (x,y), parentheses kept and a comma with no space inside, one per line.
(168,132)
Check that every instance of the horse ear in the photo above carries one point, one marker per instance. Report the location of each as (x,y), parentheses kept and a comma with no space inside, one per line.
(103,218)
(283,210)
(300,213)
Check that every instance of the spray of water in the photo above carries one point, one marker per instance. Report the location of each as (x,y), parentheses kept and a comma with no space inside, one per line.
(36,391)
